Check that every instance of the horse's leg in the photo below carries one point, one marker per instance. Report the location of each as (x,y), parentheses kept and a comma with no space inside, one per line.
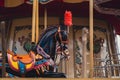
(57,61)
(9,75)
(55,68)
(78,67)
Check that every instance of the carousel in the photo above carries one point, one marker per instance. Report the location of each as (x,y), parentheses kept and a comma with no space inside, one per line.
(60,39)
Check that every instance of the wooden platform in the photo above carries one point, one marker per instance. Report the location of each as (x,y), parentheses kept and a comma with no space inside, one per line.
(60,79)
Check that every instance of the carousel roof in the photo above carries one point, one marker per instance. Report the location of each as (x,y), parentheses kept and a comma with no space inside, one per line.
(108,10)
(58,7)
(54,8)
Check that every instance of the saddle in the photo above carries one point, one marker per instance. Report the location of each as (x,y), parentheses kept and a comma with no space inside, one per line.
(24,58)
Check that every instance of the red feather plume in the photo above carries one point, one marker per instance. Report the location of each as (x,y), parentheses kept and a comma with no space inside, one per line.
(68,18)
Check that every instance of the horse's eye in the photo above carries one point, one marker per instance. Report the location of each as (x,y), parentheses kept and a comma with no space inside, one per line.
(66,51)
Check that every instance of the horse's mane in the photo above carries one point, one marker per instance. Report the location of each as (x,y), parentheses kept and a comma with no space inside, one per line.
(52,27)
(47,30)
(47,34)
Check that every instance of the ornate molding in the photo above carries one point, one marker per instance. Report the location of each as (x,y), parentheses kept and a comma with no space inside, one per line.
(104,10)
(74,1)
(101,1)
(41,1)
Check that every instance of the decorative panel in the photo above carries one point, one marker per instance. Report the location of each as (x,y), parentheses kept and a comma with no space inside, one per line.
(81,47)
(22,35)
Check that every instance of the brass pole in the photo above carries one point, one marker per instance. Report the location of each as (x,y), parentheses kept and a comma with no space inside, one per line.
(37,20)
(84,60)
(33,21)
(3,32)
(45,19)
(91,37)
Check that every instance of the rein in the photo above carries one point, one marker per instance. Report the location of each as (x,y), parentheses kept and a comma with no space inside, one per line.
(60,36)
(61,42)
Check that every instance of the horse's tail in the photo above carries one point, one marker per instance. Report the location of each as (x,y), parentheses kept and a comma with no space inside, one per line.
(10,52)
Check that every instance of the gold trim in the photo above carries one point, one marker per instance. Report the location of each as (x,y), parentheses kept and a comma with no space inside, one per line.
(60,78)
(74,1)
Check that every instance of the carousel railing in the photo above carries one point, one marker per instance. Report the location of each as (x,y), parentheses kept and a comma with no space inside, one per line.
(108,67)
(99,69)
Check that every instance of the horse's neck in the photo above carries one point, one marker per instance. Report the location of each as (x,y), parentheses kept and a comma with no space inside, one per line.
(84,38)
(84,35)
(47,42)
(46,37)
(103,51)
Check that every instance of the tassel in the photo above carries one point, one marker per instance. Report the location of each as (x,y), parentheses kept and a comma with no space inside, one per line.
(68,18)
(37,71)
(48,68)
(42,69)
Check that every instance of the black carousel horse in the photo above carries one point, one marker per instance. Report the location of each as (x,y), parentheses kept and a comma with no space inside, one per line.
(52,41)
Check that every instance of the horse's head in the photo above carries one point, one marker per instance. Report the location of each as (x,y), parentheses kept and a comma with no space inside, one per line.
(52,42)
(61,38)
(84,34)
(85,31)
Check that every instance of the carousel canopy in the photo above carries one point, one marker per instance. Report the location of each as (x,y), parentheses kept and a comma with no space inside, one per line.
(54,8)
(108,10)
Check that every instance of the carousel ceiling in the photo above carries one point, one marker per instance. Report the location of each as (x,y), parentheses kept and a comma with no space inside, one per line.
(21,8)
(108,10)
(54,8)
(111,7)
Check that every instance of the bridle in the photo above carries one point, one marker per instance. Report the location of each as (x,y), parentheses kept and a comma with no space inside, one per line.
(61,42)
(60,48)
(60,36)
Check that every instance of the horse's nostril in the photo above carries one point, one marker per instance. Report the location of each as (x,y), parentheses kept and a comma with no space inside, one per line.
(66,52)
(68,57)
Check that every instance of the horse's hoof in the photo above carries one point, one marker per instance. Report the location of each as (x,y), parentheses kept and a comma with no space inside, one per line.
(53,75)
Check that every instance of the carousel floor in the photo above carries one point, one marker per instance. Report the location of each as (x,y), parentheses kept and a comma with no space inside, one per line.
(60,79)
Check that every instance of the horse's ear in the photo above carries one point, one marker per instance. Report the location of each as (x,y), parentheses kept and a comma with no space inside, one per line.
(63,27)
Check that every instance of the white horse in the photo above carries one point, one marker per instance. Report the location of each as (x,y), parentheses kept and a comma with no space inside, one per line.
(84,52)
(82,42)
(103,56)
